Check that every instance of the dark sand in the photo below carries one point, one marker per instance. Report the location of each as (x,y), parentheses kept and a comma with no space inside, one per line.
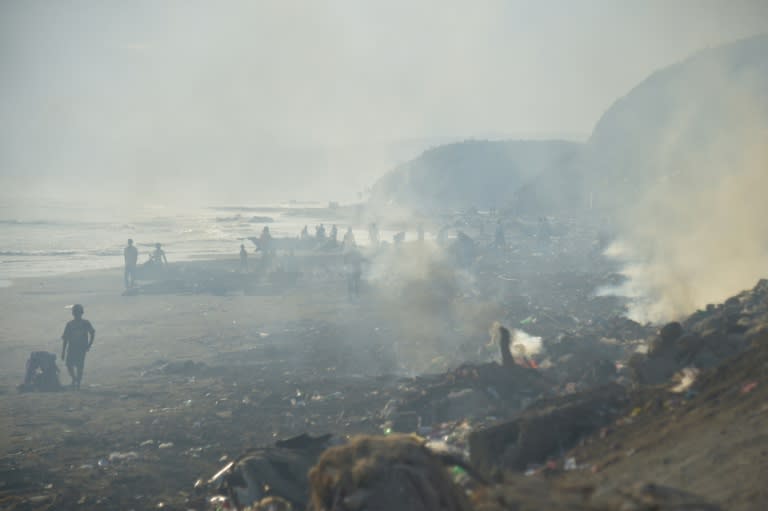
(266,357)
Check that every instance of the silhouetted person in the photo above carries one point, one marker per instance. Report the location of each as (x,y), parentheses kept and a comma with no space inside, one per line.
(353,265)
(320,232)
(265,241)
(304,233)
(505,339)
(158,255)
(131,256)
(334,234)
(349,240)
(243,258)
(463,249)
(78,338)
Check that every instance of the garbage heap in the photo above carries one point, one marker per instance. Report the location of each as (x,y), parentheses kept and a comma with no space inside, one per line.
(462,457)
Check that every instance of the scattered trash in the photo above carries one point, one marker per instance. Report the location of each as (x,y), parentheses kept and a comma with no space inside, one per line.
(220,502)
(687,378)
(165,445)
(748,387)
(122,456)
(39,499)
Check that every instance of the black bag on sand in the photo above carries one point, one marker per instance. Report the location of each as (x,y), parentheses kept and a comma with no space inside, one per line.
(42,373)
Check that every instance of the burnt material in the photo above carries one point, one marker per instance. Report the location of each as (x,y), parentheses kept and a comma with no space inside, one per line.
(546,429)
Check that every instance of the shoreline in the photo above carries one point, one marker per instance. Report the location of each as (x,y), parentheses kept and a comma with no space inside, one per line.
(137,329)
(203,260)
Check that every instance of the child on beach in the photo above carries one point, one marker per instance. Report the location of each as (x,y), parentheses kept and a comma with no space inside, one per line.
(78,338)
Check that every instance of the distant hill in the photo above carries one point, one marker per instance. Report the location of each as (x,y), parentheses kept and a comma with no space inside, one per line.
(690,118)
(477,173)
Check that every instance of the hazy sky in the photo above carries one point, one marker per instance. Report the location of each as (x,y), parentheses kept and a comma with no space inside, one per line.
(250,99)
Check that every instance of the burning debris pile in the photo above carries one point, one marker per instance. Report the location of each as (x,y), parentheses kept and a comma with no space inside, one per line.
(706,338)
(484,428)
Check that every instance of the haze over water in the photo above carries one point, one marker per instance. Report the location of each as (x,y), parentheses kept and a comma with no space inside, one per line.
(55,238)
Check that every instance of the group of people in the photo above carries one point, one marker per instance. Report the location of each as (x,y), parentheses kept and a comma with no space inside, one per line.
(131,255)
(265,244)
(348,242)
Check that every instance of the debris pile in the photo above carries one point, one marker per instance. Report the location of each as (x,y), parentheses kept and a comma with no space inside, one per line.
(706,338)
(385,473)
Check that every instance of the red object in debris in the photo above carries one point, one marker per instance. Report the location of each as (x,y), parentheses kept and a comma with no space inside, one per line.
(532,363)
(552,465)
(748,387)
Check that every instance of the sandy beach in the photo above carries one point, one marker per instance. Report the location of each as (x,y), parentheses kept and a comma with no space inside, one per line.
(190,371)
(249,359)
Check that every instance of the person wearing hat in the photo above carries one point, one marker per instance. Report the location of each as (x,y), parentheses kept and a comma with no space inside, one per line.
(78,338)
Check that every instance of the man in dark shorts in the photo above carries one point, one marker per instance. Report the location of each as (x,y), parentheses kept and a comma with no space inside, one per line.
(131,257)
(78,338)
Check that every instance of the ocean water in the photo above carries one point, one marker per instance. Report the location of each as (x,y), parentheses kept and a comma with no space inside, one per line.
(53,239)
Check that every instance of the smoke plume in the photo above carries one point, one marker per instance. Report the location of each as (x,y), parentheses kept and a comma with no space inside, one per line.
(698,233)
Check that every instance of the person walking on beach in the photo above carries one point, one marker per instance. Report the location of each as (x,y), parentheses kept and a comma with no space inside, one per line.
(243,259)
(349,240)
(353,266)
(334,235)
(265,241)
(78,338)
(131,256)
